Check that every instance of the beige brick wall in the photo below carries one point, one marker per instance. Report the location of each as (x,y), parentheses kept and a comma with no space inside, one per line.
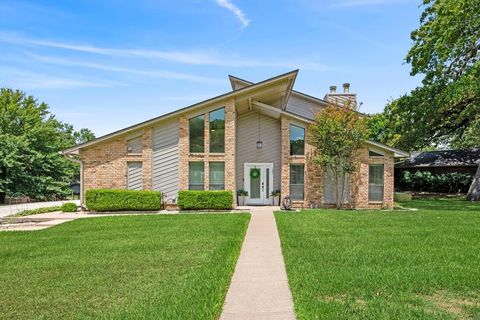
(105,164)
(314,175)
(228,157)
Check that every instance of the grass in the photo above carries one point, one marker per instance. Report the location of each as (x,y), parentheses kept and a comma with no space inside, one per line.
(421,264)
(124,267)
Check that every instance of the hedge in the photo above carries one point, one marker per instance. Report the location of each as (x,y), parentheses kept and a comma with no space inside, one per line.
(69,207)
(122,200)
(443,183)
(37,211)
(199,200)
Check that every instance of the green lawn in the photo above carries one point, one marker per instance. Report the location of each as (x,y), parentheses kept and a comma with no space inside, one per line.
(126,267)
(385,265)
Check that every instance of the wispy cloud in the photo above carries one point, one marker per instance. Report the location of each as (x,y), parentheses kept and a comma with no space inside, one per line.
(360,3)
(149,73)
(227,4)
(192,57)
(32,80)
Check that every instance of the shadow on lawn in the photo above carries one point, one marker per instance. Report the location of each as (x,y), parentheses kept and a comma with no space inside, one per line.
(443,204)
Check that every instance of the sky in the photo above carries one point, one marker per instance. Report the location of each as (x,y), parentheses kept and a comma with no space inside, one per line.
(108,64)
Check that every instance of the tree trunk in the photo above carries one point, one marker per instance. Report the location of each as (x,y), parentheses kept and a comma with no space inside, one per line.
(474,191)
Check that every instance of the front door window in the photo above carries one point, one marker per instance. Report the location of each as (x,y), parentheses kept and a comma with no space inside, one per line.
(255,177)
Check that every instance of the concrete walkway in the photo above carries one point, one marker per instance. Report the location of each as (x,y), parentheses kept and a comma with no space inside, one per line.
(259,287)
(6,210)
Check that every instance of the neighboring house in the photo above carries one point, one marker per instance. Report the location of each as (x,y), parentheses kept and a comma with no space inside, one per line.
(252,137)
(438,162)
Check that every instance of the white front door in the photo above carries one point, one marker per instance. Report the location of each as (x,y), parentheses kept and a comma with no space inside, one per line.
(258,181)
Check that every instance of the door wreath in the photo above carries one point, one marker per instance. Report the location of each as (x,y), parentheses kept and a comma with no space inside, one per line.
(254,173)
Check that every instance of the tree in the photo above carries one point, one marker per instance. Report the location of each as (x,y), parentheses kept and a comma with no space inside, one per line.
(337,134)
(83,135)
(445,109)
(30,141)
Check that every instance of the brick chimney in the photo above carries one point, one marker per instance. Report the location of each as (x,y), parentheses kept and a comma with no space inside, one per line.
(343,99)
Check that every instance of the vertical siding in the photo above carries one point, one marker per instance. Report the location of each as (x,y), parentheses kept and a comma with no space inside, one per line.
(247,136)
(165,159)
(134,176)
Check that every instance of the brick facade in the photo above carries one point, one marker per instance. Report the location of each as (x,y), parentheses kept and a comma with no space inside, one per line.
(228,157)
(314,175)
(105,163)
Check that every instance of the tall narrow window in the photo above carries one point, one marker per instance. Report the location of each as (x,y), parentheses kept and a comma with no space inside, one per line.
(297,140)
(217,176)
(134,175)
(297,181)
(196,175)
(217,131)
(197,133)
(375,182)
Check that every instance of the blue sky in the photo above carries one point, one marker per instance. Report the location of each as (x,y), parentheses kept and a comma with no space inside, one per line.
(106,64)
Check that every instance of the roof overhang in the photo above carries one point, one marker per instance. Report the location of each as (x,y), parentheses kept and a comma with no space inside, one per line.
(396,152)
(269,90)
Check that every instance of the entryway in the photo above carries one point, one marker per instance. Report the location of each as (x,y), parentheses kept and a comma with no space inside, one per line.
(258,181)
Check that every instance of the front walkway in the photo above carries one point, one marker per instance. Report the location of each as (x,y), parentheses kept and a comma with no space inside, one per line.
(259,287)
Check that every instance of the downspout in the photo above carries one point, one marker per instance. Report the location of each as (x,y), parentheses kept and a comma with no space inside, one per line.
(80,162)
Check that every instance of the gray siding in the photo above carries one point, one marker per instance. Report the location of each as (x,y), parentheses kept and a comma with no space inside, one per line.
(247,136)
(134,176)
(165,159)
(303,107)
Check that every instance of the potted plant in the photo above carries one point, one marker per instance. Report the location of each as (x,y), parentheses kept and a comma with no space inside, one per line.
(241,194)
(276,197)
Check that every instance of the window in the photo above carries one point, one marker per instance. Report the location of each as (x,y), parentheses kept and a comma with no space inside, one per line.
(196,175)
(330,188)
(297,140)
(375,182)
(134,176)
(296,181)
(134,144)
(374,154)
(196,128)
(217,176)
(217,131)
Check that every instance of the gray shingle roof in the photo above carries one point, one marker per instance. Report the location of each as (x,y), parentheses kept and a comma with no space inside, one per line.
(444,158)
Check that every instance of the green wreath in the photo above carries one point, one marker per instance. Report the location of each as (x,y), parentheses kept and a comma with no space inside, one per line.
(254,173)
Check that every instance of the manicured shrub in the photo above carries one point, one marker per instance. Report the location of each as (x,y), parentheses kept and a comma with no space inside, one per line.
(123,200)
(452,182)
(199,200)
(69,207)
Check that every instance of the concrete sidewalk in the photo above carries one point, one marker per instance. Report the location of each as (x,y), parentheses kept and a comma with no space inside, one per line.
(259,287)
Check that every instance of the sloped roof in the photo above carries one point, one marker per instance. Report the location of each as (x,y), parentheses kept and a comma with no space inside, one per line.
(245,90)
(443,158)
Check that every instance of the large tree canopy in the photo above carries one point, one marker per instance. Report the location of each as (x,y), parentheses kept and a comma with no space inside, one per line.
(445,110)
(30,141)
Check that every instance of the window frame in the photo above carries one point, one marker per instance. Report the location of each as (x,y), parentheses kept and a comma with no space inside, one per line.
(371,184)
(200,186)
(210,135)
(297,184)
(212,186)
(190,134)
(290,139)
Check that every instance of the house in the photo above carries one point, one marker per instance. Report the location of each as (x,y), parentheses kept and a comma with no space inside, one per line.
(252,137)
(438,162)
